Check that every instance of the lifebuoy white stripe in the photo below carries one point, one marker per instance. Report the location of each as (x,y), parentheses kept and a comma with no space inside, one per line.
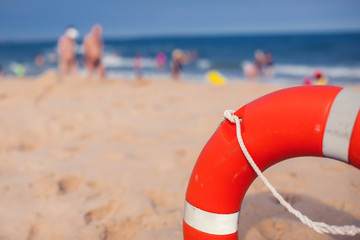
(340,124)
(212,223)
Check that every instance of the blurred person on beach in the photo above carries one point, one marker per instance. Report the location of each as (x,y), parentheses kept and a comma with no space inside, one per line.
(250,71)
(253,70)
(177,62)
(179,59)
(93,51)
(318,78)
(259,60)
(261,66)
(1,71)
(19,69)
(67,52)
(138,66)
(268,69)
(307,81)
(39,61)
(160,61)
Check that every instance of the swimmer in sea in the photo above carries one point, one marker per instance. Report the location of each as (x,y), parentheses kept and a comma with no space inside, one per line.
(93,50)
(66,50)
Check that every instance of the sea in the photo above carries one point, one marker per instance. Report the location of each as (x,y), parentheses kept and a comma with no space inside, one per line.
(296,56)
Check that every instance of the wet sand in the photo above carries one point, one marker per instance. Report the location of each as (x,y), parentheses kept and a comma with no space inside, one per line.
(83,159)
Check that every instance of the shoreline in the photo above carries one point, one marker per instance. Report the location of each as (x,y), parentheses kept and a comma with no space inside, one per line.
(274,82)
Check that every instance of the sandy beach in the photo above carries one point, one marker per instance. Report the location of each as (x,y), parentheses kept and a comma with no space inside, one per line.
(84,159)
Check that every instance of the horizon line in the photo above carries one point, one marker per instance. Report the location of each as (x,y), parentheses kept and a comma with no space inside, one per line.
(191,34)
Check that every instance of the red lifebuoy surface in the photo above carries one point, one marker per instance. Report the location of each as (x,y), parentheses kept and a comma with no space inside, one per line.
(319,121)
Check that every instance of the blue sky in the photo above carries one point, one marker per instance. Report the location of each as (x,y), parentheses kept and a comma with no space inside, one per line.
(44,19)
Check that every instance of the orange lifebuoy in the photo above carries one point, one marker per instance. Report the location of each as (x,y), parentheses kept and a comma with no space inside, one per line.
(319,121)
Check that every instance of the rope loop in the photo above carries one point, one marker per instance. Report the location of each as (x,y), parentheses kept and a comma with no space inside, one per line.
(320,227)
(229,115)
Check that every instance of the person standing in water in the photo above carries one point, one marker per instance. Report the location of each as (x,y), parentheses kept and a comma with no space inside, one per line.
(93,50)
(67,52)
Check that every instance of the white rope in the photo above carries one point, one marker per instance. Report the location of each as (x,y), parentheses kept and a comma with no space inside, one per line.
(319,227)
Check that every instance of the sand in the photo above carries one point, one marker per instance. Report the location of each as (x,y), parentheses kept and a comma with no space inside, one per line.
(84,159)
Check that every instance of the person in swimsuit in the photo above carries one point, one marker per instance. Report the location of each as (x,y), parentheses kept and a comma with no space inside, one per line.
(178,59)
(66,49)
(93,51)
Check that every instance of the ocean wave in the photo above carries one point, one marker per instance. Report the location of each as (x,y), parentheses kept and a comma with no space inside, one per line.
(332,72)
(203,64)
(114,61)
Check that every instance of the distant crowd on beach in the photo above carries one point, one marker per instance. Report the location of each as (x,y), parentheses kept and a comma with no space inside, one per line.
(96,63)
(93,48)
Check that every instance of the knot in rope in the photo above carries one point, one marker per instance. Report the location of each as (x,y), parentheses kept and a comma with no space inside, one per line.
(229,115)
